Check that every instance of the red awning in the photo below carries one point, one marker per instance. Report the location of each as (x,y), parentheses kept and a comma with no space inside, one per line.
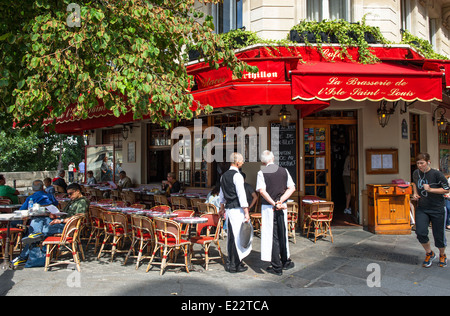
(248,94)
(352,81)
(98,117)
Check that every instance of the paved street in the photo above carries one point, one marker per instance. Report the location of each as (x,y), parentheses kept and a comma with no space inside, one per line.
(324,268)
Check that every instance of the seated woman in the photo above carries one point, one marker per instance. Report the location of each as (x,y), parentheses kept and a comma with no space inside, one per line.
(171,185)
(42,227)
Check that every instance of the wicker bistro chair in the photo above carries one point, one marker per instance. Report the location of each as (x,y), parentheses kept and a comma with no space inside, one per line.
(142,229)
(319,218)
(179,203)
(130,197)
(168,239)
(205,240)
(116,194)
(161,199)
(292,218)
(195,201)
(97,225)
(202,208)
(5,201)
(68,239)
(116,227)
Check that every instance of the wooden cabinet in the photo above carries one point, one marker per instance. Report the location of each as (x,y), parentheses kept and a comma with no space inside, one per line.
(389,209)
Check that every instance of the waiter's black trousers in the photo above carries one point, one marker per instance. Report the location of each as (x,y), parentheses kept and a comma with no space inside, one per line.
(279,251)
(233,261)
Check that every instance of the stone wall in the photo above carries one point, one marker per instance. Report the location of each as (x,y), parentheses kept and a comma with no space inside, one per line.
(23,180)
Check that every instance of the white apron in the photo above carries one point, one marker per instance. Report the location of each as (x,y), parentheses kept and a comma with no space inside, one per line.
(237,216)
(267,232)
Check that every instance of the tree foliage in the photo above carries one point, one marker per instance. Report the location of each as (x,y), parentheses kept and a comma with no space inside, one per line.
(36,150)
(128,48)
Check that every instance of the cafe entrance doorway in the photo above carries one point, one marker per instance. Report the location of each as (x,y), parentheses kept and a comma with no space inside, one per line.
(335,138)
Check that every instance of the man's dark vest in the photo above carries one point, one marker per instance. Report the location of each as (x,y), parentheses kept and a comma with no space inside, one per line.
(229,189)
(275,178)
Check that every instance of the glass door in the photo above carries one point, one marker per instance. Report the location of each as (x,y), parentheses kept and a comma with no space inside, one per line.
(317,160)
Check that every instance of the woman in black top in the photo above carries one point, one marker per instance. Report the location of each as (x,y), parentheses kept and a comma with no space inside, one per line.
(430,187)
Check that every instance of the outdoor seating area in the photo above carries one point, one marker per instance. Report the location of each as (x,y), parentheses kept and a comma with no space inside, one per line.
(152,229)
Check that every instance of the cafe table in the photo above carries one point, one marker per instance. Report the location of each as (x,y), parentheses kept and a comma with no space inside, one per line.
(190,221)
(161,214)
(9,217)
(9,206)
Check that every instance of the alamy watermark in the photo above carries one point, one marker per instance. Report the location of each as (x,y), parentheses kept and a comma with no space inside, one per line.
(74,18)
(374,278)
(213,144)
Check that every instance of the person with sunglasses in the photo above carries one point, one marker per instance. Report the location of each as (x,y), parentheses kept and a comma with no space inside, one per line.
(78,204)
(429,189)
(43,227)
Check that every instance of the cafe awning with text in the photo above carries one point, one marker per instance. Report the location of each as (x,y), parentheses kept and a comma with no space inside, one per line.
(390,81)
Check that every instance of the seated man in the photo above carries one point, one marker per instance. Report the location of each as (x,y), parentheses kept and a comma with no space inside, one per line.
(124,182)
(40,196)
(59,180)
(7,191)
(49,188)
(90,177)
(42,227)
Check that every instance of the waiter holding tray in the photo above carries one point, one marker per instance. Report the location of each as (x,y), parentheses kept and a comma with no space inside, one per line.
(275,185)
(233,200)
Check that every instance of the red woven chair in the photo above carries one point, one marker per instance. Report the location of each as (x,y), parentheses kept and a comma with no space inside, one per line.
(205,240)
(139,206)
(116,227)
(168,239)
(142,229)
(319,218)
(161,208)
(15,237)
(68,239)
(184,227)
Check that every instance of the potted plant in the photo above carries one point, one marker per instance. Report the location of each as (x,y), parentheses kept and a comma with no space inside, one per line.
(339,31)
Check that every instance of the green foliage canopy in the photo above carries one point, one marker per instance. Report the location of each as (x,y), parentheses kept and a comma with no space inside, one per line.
(121,48)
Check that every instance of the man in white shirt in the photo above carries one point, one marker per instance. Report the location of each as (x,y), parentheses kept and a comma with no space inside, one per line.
(275,185)
(233,200)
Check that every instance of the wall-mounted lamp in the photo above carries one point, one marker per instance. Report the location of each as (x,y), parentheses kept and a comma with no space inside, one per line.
(384,114)
(245,119)
(284,115)
(125,130)
(442,121)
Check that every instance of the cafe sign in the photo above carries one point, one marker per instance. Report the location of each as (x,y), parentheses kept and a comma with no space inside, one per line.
(268,71)
(351,81)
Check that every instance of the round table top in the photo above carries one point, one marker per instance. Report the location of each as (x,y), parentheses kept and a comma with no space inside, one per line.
(10,205)
(191,220)
(161,214)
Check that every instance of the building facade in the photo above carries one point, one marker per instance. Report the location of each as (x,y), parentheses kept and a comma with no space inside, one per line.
(321,139)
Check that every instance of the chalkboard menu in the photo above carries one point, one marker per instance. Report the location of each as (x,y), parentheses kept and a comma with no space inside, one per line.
(283,143)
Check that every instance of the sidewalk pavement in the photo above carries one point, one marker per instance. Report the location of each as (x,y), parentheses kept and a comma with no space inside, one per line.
(358,263)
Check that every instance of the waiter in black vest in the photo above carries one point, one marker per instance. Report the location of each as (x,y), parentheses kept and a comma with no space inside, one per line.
(275,185)
(233,200)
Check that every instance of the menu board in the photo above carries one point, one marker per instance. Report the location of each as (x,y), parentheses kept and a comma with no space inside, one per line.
(283,141)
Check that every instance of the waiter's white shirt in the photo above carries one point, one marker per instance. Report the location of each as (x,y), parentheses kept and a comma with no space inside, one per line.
(261,183)
(267,217)
(236,216)
(238,181)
